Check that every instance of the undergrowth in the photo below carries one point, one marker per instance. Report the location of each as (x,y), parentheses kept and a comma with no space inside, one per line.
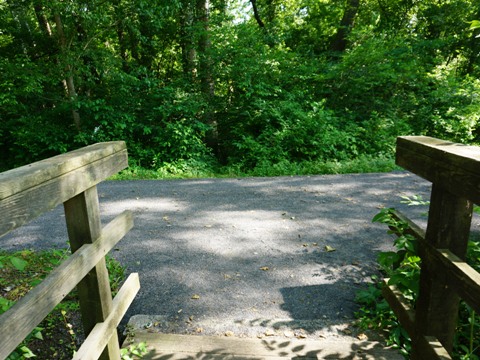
(402,267)
(60,334)
(186,170)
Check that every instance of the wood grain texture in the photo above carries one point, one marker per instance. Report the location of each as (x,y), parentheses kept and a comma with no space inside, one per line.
(455,167)
(400,306)
(29,311)
(22,178)
(428,347)
(100,335)
(82,215)
(446,266)
(457,274)
(448,227)
(42,194)
(176,347)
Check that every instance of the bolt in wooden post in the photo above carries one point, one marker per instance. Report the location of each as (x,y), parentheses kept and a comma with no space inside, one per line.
(84,227)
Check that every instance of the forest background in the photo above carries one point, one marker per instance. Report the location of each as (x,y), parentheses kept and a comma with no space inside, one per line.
(199,85)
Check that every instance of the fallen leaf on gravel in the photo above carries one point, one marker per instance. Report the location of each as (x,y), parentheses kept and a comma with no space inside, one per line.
(314,244)
(300,334)
(288,333)
(264,268)
(362,336)
(165,218)
(229,333)
(269,332)
(195,297)
(347,331)
(199,330)
(304,245)
(328,248)
(208,226)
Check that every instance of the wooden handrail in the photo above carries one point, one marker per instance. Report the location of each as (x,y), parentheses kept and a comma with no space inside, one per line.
(70,179)
(31,190)
(445,278)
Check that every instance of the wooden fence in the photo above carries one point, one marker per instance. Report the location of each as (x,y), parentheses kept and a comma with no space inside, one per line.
(71,179)
(445,277)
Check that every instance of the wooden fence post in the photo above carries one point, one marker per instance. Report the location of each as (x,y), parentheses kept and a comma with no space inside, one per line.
(448,227)
(84,227)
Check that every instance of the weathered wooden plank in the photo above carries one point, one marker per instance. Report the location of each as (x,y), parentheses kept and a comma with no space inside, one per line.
(100,335)
(176,347)
(23,206)
(413,229)
(457,274)
(25,177)
(448,268)
(448,227)
(456,167)
(82,215)
(400,306)
(426,347)
(430,348)
(29,311)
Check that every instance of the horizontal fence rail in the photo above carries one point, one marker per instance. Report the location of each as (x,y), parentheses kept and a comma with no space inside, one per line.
(71,179)
(445,277)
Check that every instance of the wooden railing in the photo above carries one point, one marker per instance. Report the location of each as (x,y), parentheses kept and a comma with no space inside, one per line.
(445,277)
(71,179)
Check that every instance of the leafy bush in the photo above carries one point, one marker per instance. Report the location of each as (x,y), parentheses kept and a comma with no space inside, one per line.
(402,267)
(59,334)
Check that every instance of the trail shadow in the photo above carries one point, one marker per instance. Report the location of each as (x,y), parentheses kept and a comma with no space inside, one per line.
(178,347)
(211,237)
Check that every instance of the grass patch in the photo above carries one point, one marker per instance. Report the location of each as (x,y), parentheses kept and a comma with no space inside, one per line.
(363,164)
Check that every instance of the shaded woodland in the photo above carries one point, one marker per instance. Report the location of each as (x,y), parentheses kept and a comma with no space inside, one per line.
(239,83)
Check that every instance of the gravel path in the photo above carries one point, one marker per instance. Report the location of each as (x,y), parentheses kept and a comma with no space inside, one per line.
(247,255)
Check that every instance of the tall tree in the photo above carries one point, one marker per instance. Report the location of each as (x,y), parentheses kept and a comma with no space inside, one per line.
(206,69)
(339,40)
(256,14)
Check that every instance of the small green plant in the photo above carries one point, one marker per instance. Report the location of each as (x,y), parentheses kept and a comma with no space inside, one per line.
(402,267)
(134,351)
(59,333)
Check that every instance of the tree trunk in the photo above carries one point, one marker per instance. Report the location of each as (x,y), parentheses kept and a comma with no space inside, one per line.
(42,20)
(339,40)
(189,53)
(206,71)
(68,82)
(256,14)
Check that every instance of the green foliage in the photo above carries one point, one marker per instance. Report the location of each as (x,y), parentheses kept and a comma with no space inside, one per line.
(139,72)
(57,333)
(134,351)
(402,267)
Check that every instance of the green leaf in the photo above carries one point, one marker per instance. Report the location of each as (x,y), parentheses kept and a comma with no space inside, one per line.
(37,333)
(27,353)
(474,24)
(18,263)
